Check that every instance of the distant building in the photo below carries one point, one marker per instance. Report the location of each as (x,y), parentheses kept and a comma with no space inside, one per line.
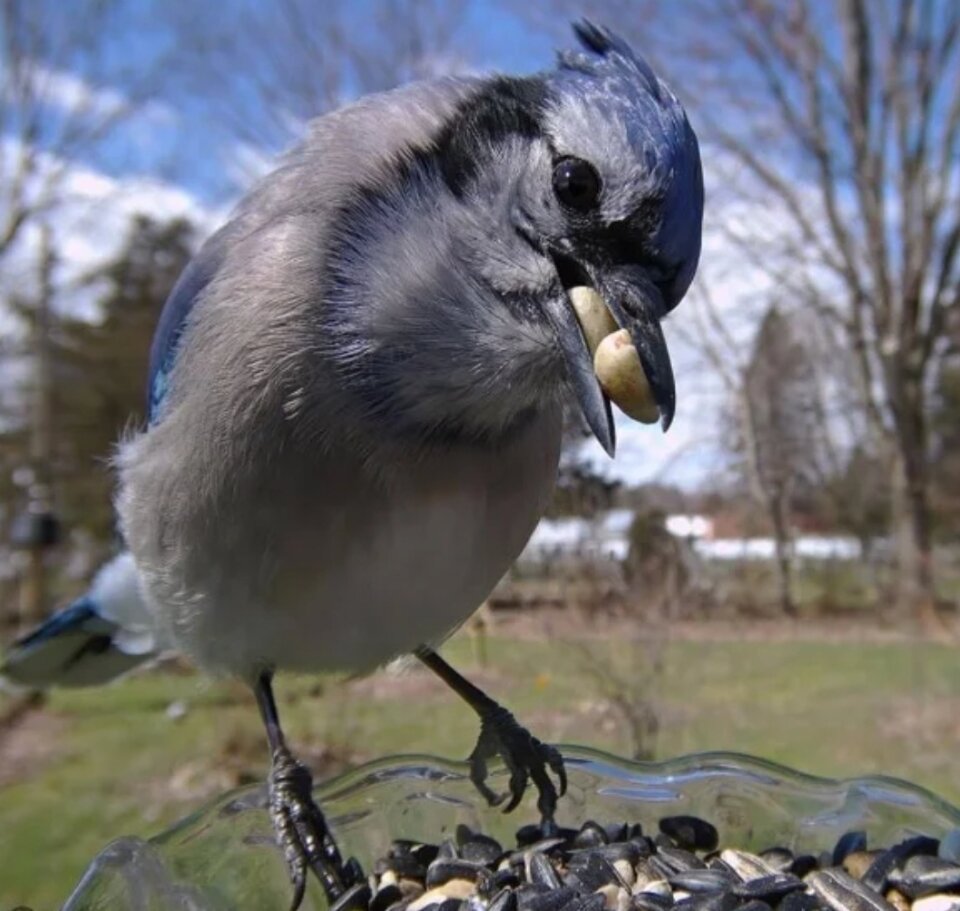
(689,526)
(606,537)
(710,544)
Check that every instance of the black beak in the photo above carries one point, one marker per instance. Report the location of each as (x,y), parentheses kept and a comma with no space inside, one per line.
(593,403)
(638,306)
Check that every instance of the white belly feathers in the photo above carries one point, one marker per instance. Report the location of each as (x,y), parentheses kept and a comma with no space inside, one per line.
(365,575)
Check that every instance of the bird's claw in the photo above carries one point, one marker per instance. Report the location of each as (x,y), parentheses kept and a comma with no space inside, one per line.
(525,757)
(302,831)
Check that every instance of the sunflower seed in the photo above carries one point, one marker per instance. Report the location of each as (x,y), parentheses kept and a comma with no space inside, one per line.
(844,893)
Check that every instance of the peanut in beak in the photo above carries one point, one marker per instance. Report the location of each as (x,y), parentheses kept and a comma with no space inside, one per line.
(615,359)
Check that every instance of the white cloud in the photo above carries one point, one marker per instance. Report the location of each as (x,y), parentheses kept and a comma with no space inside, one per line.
(69,92)
(89,221)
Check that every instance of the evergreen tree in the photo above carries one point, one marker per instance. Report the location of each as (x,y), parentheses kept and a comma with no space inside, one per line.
(777,432)
(100,367)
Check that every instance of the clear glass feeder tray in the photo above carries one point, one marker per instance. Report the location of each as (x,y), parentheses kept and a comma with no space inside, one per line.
(224,856)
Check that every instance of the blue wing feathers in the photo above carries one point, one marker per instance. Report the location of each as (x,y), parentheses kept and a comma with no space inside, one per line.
(173,319)
(81,616)
(75,647)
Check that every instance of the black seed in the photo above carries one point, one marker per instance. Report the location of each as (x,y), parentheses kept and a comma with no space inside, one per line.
(462,833)
(659,868)
(505,879)
(616,832)
(878,874)
(804,864)
(356,898)
(690,832)
(540,872)
(385,897)
(769,888)
(847,844)
(504,900)
(545,846)
(780,859)
(630,851)
(703,880)
(544,899)
(919,844)
(924,875)
(709,901)
(651,901)
(800,901)
(680,859)
(526,892)
(591,835)
(589,871)
(587,903)
(401,846)
(448,849)
(482,850)
(425,853)
(527,835)
(754,905)
(594,902)
(718,863)
(644,845)
(352,873)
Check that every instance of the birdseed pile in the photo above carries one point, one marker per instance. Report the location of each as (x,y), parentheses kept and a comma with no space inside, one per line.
(681,868)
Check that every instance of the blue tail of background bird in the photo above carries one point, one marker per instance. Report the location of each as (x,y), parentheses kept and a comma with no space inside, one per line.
(103,634)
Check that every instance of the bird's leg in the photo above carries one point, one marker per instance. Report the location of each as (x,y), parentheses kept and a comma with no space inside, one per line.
(501,735)
(299,824)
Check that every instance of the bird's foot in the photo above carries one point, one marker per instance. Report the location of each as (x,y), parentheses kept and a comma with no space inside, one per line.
(525,757)
(302,831)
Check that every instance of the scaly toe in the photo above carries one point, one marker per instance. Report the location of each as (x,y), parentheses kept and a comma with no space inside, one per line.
(302,832)
(525,757)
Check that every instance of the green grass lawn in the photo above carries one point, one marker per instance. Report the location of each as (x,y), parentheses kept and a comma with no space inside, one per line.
(92,765)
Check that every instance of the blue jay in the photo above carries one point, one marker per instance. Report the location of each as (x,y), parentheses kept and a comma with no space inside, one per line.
(356,391)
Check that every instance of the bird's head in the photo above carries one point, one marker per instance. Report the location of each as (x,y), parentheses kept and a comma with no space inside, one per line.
(585,175)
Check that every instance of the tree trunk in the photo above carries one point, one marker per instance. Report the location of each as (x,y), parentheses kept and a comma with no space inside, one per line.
(915,594)
(34,593)
(781,538)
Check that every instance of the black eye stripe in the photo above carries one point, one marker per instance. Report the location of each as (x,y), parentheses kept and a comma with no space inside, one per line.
(576,183)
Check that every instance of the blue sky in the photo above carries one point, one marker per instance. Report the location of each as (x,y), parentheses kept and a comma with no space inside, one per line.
(174,136)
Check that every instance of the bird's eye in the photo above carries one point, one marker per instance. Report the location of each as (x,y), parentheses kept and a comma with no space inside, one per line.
(576,183)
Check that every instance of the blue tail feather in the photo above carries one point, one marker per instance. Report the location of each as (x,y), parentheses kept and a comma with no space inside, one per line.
(83,645)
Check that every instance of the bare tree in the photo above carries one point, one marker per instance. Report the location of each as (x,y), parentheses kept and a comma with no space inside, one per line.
(58,100)
(842,119)
(268,68)
(876,128)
